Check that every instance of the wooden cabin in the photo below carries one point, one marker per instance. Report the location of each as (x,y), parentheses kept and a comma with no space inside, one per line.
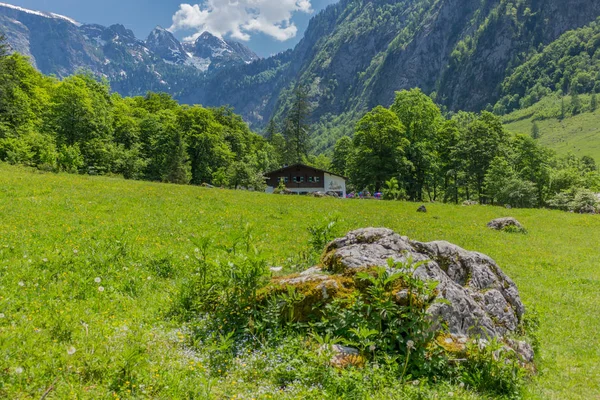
(303,179)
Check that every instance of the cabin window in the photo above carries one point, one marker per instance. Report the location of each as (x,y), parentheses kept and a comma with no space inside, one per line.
(298,179)
(314,179)
(284,179)
(317,179)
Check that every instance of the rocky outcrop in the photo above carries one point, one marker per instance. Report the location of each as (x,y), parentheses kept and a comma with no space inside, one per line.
(474,296)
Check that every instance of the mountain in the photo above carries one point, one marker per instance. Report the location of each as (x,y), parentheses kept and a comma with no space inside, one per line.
(354,55)
(211,52)
(166,46)
(61,46)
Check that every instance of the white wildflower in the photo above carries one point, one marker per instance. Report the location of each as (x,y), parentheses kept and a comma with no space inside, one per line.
(71,350)
(18,370)
(21,283)
(410,345)
(2,315)
(75,251)
(98,280)
(100,289)
(45,260)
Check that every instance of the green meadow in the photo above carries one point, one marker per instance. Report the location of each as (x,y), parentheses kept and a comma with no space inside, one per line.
(90,267)
(576,134)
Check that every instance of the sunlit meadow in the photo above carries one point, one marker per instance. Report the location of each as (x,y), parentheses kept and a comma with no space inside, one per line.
(90,268)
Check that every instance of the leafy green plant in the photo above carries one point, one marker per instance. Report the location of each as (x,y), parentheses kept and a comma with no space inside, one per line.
(321,234)
(491,367)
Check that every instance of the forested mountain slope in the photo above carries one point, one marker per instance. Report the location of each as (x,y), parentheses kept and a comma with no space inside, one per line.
(355,54)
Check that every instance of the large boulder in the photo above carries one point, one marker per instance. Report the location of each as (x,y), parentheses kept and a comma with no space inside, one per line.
(474,296)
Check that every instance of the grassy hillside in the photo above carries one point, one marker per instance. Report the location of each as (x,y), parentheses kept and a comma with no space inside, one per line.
(89,268)
(577,134)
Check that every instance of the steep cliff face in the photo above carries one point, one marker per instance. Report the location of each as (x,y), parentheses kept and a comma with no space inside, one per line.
(357,53)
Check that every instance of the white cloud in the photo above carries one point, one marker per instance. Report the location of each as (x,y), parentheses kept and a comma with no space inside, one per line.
(240,18)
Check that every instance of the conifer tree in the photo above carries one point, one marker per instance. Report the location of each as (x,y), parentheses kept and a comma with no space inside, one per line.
(271,130)
(535,131)
(296,129)
(593,102)
(575,103)
(4,46)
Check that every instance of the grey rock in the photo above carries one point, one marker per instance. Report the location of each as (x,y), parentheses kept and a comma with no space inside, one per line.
(587,209)
(503,223)
(422,209)
(474,296)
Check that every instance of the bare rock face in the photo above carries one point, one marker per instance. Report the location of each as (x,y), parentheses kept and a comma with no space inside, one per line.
(474,297)
(503,223)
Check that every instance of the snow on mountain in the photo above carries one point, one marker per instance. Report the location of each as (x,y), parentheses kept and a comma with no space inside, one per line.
(41,14)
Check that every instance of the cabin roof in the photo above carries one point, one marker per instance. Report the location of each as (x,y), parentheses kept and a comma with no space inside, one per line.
(305,166)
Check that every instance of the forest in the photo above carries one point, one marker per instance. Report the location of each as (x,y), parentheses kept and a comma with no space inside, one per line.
(409,151)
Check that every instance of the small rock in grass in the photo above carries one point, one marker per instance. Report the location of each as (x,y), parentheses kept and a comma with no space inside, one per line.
(501,224)
(422,209)
(344,356)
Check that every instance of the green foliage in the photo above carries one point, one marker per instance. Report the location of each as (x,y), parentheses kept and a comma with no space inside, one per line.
(421,119)
(321,234)
(535,130)
(296,128)
(341,155)
(483,372)
(568,65)
(378,149)
(575,199)
(392,190)
(76,125)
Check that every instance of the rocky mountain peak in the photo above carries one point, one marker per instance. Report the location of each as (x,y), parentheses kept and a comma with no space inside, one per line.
(118,32)
(166,46)
(220,52)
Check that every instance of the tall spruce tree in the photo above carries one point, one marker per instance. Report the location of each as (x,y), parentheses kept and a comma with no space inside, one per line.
(271,130)
(535,130)
(296,128)
(593,102)
(4,46)
(575,103)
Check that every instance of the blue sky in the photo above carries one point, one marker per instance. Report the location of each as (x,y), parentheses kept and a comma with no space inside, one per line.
(142,18)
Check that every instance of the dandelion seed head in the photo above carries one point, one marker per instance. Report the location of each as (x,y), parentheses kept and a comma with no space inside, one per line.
(98,280)
(2,315)
(19,370)
(21,283)
(100,289)
(71,350)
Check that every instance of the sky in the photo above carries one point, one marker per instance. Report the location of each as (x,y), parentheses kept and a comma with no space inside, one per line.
(266,26)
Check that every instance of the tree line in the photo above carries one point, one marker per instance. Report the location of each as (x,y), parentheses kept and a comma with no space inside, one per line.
(78,125)
(411,151)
